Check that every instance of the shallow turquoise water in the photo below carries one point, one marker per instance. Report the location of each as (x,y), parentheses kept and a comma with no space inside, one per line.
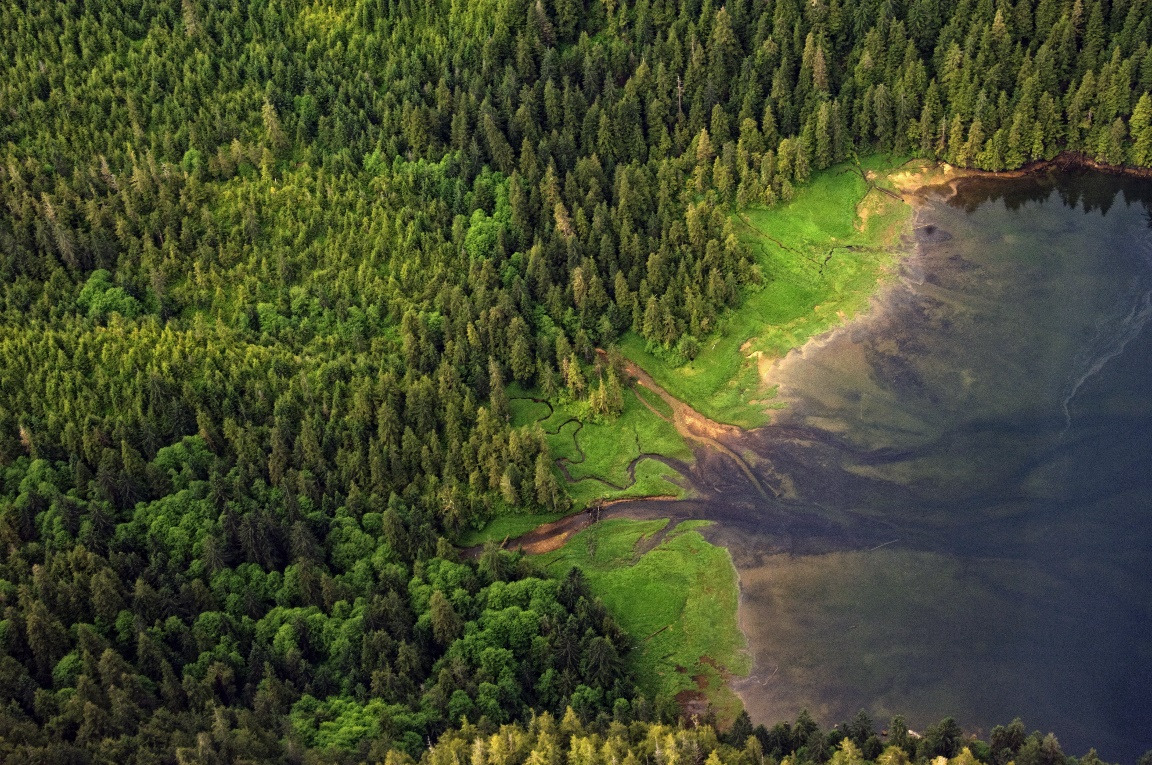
(970,529)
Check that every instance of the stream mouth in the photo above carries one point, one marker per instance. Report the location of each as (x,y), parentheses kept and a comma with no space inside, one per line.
(963,481)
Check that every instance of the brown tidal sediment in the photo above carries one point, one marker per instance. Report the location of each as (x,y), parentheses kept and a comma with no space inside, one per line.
(694,426)
(548,537)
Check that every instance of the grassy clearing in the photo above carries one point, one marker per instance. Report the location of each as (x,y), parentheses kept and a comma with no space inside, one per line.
(526,412)
(805,292)
(678,601)
(604,450)
(653,479)
(598,452)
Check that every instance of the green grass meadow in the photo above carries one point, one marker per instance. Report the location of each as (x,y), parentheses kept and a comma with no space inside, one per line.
(598,452)
(678,601)
(804,292)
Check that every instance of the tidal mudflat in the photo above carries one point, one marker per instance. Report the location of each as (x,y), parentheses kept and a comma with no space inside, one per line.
(962,480)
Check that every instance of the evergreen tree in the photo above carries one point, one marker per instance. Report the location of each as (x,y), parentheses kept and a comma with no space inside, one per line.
(1140,153)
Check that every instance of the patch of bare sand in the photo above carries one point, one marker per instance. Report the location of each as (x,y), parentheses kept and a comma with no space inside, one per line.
(923,175)
(701,425)
(551,536)
(548,545)
(544,538)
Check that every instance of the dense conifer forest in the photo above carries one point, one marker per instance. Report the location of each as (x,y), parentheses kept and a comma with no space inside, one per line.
(268,268)
(851,743)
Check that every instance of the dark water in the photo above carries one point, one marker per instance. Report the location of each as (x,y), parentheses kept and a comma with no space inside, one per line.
(966,528)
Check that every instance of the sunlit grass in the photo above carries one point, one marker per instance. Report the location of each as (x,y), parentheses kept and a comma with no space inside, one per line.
(804,292)
(597,453)
(678,602)
(506,527)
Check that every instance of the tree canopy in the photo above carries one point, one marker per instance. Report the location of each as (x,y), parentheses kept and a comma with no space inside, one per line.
(268,269)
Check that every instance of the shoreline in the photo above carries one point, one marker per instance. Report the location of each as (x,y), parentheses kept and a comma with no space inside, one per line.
(711,435)
(918,182)
(779,677)
(1068,160)
(914,187)
(1065,161)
